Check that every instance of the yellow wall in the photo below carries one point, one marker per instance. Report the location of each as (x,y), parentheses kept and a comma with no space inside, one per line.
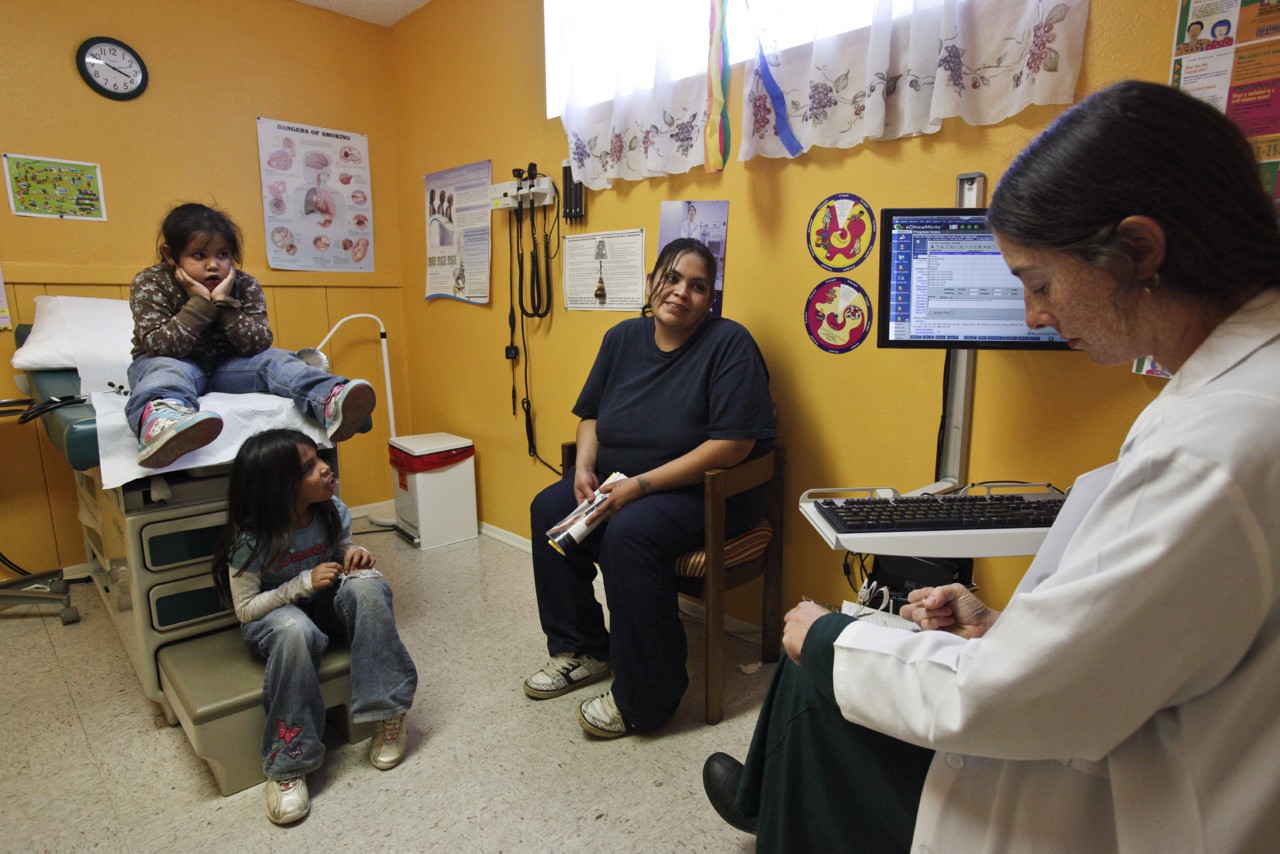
(458,82)
(191,136)
(467,92)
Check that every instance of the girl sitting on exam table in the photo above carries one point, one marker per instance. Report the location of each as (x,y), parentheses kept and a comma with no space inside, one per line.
(1125,700)
(200,325)
(287,565)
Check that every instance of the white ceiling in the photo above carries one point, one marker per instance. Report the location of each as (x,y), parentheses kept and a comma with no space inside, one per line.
(381,12)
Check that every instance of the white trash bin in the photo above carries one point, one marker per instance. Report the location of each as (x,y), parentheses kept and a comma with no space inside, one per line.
(435,488)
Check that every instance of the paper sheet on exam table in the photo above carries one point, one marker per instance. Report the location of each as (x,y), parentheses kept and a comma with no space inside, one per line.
(242,416)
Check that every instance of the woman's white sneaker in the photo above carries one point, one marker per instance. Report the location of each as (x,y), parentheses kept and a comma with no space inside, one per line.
(564,672)
(600,717)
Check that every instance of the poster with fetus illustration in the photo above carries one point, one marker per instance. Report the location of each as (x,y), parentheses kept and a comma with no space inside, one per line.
(316,197)
(841,232)
(837,315)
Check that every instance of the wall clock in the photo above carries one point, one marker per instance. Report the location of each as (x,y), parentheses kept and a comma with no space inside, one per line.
(112,68)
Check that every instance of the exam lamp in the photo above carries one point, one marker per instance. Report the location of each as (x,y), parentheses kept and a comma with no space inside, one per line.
(315,357)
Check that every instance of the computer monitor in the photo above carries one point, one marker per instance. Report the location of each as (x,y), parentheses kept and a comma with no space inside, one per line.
(943,285)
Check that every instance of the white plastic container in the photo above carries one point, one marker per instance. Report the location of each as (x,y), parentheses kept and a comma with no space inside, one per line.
(435,488)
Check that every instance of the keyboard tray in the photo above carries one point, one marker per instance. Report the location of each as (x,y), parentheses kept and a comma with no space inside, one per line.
(978,523)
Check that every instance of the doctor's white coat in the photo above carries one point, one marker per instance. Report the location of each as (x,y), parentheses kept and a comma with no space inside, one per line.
(1129,696)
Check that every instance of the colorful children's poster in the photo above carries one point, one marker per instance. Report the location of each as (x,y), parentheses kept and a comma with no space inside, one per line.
(837,315)
(604,271)
(58,189)
(1227,53)
(841,232)
(704,220)
(317,197)
(459,232)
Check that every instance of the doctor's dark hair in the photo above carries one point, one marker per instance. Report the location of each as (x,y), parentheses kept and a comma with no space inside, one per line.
(191,222)
(262,491)
(1143,149)
(666,262)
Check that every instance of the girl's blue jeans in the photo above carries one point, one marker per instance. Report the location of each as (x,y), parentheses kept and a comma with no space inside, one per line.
(292,638)
(273,371)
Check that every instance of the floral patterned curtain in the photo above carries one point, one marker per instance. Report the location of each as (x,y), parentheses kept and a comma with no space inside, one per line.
(980,60)
(653,125)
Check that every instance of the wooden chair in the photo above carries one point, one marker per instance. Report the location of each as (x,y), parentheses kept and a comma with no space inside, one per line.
(720,565)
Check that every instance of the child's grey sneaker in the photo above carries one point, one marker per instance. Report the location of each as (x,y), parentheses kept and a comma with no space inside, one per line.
(346,408)
(386,748)
(563,673)
(600,717)
(287,800)
(170,429)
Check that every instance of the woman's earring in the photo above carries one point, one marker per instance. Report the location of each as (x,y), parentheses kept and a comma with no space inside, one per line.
(1152,284)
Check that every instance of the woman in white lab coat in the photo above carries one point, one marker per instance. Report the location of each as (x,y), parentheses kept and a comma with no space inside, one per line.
(1128,698)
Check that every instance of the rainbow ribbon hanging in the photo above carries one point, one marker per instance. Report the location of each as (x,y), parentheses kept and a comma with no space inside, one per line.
(716,135)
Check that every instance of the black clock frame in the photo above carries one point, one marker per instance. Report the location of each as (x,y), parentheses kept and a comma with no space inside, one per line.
(82,52)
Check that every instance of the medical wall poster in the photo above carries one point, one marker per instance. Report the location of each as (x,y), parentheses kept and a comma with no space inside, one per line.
(841,232)
(1227,53)
(706,221)
(58,189)
(837,315)
(604,271)
(317,197)
(6,321)
(459,233)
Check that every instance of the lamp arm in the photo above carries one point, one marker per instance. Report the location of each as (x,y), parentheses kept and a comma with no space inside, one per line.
(386,362)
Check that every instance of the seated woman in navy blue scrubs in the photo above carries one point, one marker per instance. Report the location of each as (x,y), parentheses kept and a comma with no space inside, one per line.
(671,394)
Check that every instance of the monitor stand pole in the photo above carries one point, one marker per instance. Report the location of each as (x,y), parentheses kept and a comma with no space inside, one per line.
(951,470)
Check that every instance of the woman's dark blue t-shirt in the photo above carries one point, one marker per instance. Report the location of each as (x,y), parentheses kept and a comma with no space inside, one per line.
(651,407)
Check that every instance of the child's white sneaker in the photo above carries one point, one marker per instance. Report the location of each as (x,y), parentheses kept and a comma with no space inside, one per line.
(170,429)
(386,748)
(346,408)
(287,800)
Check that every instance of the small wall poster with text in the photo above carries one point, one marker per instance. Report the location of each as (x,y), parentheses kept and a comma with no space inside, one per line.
(317,204)
(1227,53)
(459,232)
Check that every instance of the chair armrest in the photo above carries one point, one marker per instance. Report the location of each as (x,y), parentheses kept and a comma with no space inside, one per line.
(743,476)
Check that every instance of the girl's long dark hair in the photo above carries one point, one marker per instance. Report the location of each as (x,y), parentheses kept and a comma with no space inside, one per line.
(262,492)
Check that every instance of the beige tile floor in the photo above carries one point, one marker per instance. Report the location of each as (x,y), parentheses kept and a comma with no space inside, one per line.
(86,764)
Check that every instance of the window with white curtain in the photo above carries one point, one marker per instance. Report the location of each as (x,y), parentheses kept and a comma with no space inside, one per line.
(591,37)
(631,86)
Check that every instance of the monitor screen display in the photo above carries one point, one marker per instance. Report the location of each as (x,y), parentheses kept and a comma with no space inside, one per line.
(944,285)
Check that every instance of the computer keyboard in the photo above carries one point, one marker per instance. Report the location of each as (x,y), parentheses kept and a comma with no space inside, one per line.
(985,520)
(952,512)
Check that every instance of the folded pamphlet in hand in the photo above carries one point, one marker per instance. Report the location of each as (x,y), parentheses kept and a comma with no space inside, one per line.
(888,619)
(573,529)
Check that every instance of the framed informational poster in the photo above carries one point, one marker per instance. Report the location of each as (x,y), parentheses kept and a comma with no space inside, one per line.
(317,203)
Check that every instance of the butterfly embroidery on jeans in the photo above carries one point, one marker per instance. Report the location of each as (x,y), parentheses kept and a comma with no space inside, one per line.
(285,735)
